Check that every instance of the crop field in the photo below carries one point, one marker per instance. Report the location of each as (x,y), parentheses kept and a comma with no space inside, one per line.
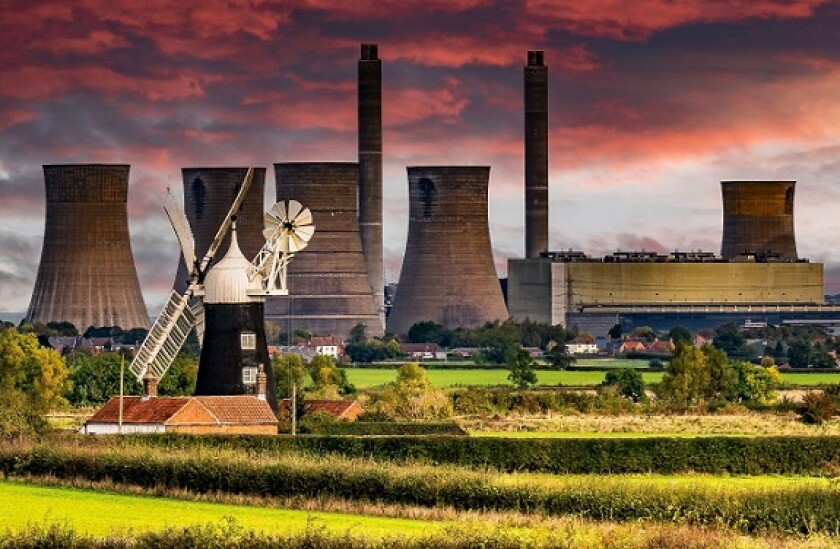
(371,377)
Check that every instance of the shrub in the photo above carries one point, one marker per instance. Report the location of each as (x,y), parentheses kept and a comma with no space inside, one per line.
(627,381)
(816,408)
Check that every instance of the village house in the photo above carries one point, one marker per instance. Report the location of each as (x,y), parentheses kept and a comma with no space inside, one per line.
(229,414)
(423,351)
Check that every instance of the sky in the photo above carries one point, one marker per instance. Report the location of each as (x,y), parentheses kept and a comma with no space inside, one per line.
(652,103)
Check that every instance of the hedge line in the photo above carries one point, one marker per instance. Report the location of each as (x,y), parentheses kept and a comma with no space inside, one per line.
(804,508)
(380,428)
(734,455)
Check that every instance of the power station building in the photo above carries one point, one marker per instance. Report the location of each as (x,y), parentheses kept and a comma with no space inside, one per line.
(758,272)
(86,275)
(329,288)
(448,275)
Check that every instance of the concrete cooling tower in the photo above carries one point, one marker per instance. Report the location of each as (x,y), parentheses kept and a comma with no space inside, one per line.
(87,275)
(536,155)
(758,219)
(328,283)
(208,195)
(448,274)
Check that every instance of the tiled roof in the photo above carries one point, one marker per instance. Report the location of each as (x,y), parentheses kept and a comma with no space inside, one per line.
(137,410)
(235,409)
(419,347)
(238,409)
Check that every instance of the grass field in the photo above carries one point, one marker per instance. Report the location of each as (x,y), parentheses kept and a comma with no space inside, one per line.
(370,377)
(96,512)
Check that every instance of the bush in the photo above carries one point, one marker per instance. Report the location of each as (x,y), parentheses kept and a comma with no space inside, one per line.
(816,408)
(627,382)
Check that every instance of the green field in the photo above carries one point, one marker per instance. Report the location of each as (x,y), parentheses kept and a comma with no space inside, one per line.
(99,513)
(371,377)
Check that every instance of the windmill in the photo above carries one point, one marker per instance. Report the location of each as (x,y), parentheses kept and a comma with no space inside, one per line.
(230,298)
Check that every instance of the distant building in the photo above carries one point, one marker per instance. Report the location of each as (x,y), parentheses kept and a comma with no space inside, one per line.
(582,347)
(632,346)
(665,347)
(325,345)
(423,351)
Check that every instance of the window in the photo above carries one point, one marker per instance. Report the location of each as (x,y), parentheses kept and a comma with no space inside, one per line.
(249,375)
(248,341)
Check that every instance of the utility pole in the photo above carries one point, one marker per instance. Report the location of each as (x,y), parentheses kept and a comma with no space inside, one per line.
(122,373)
(294,405)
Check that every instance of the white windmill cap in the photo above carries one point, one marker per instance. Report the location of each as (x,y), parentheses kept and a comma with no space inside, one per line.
(227,281)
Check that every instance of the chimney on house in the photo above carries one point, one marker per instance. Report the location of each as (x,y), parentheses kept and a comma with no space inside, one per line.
(150,386)
(262,382)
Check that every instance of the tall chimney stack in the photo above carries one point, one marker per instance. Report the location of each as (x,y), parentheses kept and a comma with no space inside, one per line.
(536,155)
(370,171)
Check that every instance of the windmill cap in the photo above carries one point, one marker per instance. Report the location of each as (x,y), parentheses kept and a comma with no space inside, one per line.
(227,281)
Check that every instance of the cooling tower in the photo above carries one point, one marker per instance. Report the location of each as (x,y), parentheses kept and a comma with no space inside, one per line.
(448,274)
(758,218)
(208,195)
(329,290)
(536,155)
(87,273)
(370,171)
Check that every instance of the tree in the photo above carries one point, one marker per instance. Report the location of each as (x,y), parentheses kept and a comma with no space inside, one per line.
(559,357)
(799,354)
(63,328)
(288,370)
(95,379)
(820,357)
(32,381)
(329,381)
(645,332)
(730,340)
(522,372)
(180,378)
(411,397)
(615,332)
(779,350)
(627,381)
(358,334)
(272,332)
(696,377)
(428,331)
(680,334)
(499,342)
(755,384)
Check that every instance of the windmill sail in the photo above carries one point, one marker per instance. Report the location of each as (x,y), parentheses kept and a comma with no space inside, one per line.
(182,231)
(165,339)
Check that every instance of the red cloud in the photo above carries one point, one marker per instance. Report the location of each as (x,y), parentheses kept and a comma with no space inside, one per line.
(638,20)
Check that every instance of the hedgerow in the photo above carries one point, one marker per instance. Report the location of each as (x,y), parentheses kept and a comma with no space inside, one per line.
(719,454)
(795,508)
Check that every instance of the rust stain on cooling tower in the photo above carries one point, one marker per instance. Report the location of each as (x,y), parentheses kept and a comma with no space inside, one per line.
(758,218)
(448,274)
(208,196)
(87,274)
(329,290)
